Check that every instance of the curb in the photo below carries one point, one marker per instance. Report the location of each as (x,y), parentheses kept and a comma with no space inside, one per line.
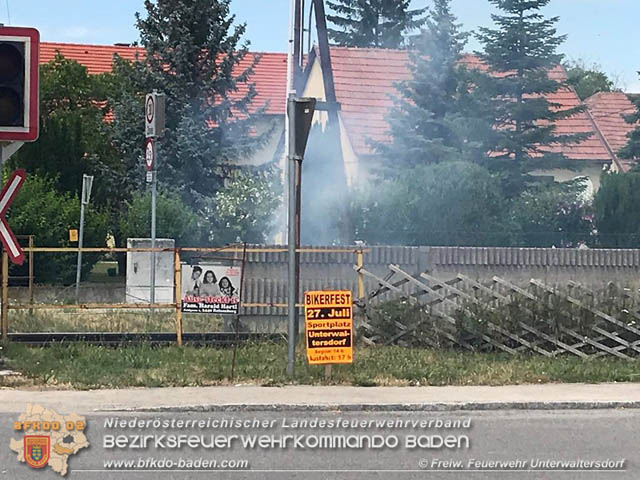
(388,407)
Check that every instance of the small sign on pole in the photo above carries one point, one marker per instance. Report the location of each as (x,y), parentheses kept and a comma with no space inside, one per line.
(329,326)
(154,115)
(149,154)
(73,235)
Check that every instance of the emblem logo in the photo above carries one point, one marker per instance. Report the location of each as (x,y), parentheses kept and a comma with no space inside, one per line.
(36,450)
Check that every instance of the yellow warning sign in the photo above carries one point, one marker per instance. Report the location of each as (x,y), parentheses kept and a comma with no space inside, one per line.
(73,235)
(329,326)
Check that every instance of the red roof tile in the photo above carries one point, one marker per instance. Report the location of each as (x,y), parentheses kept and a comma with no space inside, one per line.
(269,74)
(608,110)
(365,79)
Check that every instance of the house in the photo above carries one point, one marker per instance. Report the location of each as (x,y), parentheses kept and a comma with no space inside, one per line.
(364,81)
(608,110)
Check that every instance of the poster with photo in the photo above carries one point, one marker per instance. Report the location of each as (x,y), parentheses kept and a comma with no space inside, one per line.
(210,288)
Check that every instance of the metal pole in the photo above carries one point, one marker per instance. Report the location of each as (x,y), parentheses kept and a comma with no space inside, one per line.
(31,272)
(154,194)
(79,264)
(292,284)
(177,288)
(4,315)
(84,200)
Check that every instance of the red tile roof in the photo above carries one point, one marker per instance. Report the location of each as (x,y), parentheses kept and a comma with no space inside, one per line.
(608,110)
(365,79)
(269,74)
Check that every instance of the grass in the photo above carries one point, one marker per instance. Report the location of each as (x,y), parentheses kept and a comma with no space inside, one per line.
(83,367)
(74,320)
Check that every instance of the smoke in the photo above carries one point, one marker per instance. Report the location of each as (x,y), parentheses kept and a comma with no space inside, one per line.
(324,219)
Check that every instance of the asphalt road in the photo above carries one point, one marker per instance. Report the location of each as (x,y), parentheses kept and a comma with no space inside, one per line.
(524,436)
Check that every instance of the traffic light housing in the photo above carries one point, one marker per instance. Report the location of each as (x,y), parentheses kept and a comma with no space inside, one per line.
(19,83)
(301,112)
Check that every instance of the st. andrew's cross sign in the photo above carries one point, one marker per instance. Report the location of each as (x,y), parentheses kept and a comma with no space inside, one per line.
(9,241)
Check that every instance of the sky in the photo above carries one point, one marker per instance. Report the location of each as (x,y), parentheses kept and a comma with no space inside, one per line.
(603,32)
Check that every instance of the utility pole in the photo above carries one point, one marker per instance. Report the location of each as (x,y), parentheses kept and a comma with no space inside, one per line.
(87,183)
(299,116)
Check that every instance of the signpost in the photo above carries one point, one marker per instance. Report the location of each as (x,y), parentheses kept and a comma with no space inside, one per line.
(87,182)
(9,241)
(329,326)
(154,128)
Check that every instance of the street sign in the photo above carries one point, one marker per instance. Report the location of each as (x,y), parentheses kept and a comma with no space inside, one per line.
(149,177)
(149,154)
(9,241)
(329,326)
(154,115)
(73,235)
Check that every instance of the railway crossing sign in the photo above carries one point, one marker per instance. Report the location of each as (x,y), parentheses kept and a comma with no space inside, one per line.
(9,241)
(329,326)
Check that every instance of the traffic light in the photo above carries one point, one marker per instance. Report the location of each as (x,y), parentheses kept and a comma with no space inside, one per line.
(19,90)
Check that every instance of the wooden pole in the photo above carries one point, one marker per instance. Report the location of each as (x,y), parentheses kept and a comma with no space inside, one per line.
(360,263)
(5,295)
(177,288)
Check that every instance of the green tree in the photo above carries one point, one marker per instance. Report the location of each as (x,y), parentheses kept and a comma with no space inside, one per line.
(373,23)
(519,53)
(587,80)
(453,203)
(71,127)
(617,216)
(193,55)
(40,210)
(631,150)
(435,119)
(553,215)
(173,219)
(243,209)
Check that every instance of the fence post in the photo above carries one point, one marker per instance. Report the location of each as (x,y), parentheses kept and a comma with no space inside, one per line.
(177,288)
(5,295)
(360,263)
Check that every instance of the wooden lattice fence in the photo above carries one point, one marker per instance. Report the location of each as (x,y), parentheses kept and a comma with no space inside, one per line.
(497,315)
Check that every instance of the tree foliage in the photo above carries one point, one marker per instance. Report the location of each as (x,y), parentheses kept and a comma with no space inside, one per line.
(452,203)
(194,54)
(174,219)
(553,215)
(40,210)
(632,149)
(616,210)
(520,53)
(71,141)
(436,118)
(587,80)
(373,23)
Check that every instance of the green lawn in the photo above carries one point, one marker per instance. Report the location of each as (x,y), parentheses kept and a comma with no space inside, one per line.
(82,366)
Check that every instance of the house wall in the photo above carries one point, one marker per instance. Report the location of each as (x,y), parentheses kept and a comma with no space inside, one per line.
(315,88)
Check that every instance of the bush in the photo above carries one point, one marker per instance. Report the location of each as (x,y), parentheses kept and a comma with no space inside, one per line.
(453,203)
(616,210)
(40,210)
(173,219)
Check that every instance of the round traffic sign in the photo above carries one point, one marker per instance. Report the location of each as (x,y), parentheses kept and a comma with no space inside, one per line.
(149,154)
(150,108)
